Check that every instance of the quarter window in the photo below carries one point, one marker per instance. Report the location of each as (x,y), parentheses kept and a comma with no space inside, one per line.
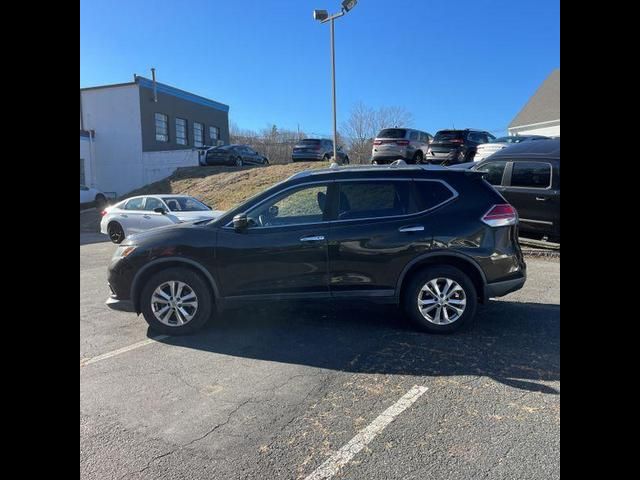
(181,131)
(198,134)
(134,204)
(162,127)
(301,206)
(494,170)
(531,175)
(431,194)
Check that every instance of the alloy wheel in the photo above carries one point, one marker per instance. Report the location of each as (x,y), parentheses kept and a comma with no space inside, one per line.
(174,303)
(441,301)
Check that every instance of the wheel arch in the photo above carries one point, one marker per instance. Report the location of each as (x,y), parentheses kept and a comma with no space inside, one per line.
(160,264)
(458,260)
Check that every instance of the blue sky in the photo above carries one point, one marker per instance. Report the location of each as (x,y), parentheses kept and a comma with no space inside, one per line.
(471,63)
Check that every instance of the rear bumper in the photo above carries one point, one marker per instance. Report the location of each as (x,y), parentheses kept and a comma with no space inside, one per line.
(500,289)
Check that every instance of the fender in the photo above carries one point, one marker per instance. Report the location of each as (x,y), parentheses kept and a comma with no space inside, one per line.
(439,253)
(135,287)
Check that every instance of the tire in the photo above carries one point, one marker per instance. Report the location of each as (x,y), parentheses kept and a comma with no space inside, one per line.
(325,158)
(192,284)
(418,289)
(418,158)
(265,162)
(115,232)
(238,162)
(345,161)
(100,201)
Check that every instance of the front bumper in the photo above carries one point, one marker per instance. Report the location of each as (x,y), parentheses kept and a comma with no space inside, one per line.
(120,305)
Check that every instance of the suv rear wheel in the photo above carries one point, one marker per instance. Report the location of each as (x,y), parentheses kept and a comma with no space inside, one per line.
(440,299)
(176,301)
(417,158)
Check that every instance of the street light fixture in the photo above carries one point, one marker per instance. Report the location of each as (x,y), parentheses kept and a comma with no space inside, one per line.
(323,17)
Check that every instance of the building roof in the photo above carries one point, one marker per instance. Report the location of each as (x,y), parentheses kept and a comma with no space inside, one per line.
(544,106)
(166,89)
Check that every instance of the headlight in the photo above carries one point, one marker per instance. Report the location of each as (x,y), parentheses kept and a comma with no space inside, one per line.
(125,251)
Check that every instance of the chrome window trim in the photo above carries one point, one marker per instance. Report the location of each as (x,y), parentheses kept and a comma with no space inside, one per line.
(454,195)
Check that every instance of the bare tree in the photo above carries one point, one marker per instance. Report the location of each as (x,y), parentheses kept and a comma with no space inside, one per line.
(364,123)
(275,143)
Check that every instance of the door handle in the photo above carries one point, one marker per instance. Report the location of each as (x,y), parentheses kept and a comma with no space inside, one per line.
(541,199)
(146,216)
(411,228)
(314,238)
(124,216)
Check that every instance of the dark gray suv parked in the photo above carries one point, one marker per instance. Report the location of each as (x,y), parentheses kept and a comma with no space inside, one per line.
(317,149)
(457,146)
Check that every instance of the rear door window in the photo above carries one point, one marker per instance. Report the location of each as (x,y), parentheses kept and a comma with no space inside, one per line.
(413,135)
(152,203)
(375,199)
(495,171)
(531,175)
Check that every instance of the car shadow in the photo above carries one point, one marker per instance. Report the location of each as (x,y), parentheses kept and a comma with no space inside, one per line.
(517,344)
(88,238)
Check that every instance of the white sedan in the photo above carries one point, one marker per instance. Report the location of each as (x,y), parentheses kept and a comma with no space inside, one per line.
(137,214)
(485,149)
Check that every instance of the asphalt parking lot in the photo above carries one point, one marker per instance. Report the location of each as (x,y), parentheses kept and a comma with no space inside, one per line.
(306,391)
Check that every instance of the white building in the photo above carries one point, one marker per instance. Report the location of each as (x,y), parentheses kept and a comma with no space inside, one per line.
(142,131)
(541,114)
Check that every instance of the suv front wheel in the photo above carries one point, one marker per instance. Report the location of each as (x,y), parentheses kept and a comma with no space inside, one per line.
(440,299)
(176,301)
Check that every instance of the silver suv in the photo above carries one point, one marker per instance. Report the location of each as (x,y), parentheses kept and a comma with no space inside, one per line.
(400,143)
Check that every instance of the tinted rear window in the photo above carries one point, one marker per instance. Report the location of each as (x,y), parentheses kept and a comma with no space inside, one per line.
(310,142)
(531,175)
(375,199)
(445,135)
(392,133)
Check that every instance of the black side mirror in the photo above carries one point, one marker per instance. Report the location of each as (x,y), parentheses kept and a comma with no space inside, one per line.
(240,222)
(160,210)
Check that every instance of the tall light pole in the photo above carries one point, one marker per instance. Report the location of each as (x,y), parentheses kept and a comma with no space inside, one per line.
(323,17)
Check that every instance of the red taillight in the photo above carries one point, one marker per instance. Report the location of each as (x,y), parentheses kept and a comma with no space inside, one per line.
(318,148)
(377,142)
(103,213)
(501,215)
(457,140)
(402,142)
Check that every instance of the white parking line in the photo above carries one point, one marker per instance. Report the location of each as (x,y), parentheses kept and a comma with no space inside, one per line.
(331,466)
(113,353)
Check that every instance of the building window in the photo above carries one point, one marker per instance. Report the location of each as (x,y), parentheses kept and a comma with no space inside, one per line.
(82,176)
(198,134)
(181,131)
(214,134)
(162,127)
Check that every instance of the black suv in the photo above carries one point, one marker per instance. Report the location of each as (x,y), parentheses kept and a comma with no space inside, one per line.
(456,146)
(435,240)
(528,175)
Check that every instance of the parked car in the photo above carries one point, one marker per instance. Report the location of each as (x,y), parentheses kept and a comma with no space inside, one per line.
(527,174)
(237,155)
(141,213)
(91,197)
(405,144)
(457,146)
(485,149)
(434,240)
(317,149)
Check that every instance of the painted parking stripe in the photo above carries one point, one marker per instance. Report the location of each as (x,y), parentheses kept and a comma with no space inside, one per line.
(113,353)
(332,465)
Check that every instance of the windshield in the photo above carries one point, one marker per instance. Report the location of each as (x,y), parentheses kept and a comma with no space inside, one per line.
(184,204)
(509,140)
(393,133)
